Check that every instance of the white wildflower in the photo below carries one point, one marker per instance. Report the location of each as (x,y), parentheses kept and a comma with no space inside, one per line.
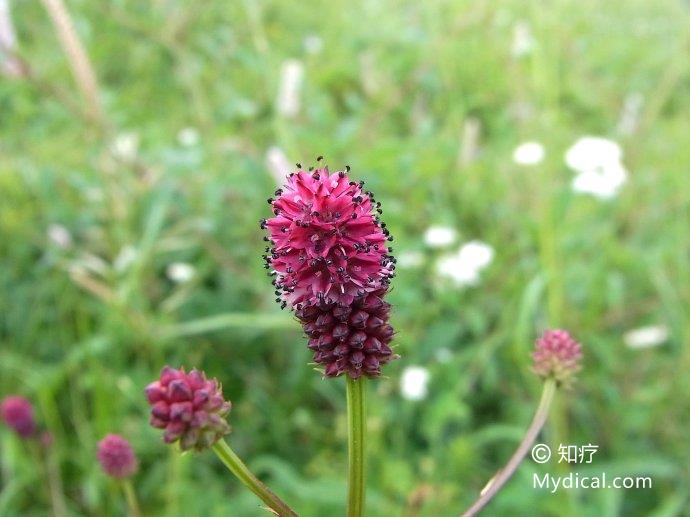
(188,137)
(291,77)
(592,153)
(646,337)
(125,146)
(465,266)
(180,272)
(439,236)
(413,383)
(523,41)
(598,165)
(60,236)
(529,153)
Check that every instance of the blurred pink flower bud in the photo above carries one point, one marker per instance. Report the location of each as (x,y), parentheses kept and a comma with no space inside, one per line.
(557,355)
(18,413)
(116,456)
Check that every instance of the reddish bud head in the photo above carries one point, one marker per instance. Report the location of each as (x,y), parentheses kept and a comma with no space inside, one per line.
(116,456)
(557,355)
(18,413)
(189,407)
(328,247)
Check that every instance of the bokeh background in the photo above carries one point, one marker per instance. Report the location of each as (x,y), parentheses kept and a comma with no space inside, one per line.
(129,238)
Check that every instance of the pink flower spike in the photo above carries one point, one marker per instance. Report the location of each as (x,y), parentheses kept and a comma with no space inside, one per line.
(18,413)
(116,457)
(557,355)
(327,244)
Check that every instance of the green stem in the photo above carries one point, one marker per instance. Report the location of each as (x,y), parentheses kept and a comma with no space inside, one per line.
(356,416)
(131,497)
(503,475)
(241,472)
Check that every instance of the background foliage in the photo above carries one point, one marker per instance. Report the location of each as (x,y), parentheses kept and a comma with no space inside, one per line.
(83,328)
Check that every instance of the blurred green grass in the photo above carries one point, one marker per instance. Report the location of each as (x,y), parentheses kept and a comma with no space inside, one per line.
(389,93)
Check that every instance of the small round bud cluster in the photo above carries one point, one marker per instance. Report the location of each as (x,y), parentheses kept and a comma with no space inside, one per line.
(18,413)
(116,456)
(557,355)
(189,407)
(350,339)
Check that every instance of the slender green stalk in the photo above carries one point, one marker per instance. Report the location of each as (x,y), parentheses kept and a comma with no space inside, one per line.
(131,497)
(503,475)
(241,472)
(356,415)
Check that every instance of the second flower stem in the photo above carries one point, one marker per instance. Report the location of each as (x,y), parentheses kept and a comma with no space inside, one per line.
(242,472)
(497,482)
(356,431)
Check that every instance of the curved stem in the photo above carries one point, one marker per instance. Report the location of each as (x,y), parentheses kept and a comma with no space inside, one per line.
(356,415)
(131,497)
(503,475)
(240,470)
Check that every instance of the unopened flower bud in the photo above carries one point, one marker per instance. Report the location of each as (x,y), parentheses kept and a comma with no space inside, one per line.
(18,413)
(557,355)
(116,456)
(190,408)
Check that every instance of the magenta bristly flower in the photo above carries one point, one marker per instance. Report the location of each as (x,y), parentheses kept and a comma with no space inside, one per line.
(18,413)
(116,456)
(557,355)
(350,339)
(328,246)
(189,407)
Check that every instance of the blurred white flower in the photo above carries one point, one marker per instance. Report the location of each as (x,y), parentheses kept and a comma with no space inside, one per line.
(630,114)
(523,41)
(409,259)
(646,337)
(601,185)
(291,77)
(9,64)
(439,236)
(413,383)
(597,163)
(465,266)
(477,254)
(313,44)
(125,145)
(60,236)
(529,153)
(126,257)
(592,153)
(188,137)
(180,272)
(450,266)
(278,164)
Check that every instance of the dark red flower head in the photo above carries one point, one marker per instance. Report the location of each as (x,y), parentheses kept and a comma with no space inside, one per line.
(328,246)
(116,456)
(557,355)
(18,413)
(189,407)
